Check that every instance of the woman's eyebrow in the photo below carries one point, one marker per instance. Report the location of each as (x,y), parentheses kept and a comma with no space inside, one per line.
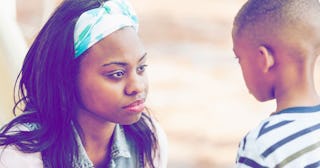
(123,63)
(115,63)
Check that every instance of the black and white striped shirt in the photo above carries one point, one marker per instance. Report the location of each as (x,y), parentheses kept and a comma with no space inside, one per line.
(289,138)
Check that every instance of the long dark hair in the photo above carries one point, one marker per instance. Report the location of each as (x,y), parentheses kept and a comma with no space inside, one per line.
(48,95)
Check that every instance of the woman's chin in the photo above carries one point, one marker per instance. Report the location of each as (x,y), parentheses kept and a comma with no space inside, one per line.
(131,120)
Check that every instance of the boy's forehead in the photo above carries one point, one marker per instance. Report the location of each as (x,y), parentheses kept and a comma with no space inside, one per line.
(239,43)
(243,35)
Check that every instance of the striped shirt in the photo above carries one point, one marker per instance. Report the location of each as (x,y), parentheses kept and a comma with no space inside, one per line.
(289,138)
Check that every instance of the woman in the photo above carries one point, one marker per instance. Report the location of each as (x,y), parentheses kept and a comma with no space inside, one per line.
(82,86)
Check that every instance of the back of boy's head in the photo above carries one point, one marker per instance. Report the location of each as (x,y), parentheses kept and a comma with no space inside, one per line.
(291,23)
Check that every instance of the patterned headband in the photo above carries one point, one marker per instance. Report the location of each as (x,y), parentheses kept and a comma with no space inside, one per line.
(95,24)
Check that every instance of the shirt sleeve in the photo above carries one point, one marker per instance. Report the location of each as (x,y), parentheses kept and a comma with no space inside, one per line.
(11,157)
(248,154)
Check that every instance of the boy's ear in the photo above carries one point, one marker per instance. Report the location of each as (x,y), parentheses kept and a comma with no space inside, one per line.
(266,58)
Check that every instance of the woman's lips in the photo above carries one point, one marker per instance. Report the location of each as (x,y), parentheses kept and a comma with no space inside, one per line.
(136,107)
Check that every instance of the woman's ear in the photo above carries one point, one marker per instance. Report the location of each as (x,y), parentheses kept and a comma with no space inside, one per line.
(266,59)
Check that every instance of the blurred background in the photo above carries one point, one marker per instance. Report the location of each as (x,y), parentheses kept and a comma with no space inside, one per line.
(196,88)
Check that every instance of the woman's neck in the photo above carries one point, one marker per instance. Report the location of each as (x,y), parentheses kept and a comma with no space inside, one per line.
(96,137)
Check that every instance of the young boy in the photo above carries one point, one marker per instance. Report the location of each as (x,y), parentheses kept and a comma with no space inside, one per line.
(277,43)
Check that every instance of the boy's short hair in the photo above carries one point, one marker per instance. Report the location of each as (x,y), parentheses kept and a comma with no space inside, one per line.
(265,19)
(276,12)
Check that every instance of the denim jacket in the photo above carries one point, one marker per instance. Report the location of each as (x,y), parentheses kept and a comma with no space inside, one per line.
(123,153)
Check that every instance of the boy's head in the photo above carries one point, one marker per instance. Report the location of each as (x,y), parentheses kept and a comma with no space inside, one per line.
(272,36)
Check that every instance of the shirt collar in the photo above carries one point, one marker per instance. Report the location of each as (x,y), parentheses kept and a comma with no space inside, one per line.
(120,148)
(302,109)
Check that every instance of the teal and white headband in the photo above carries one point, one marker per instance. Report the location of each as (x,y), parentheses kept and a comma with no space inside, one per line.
(95,24)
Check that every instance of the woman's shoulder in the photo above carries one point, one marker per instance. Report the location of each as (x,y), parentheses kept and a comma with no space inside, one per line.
(161,135)
(11,157)
(163,144)
(159,131)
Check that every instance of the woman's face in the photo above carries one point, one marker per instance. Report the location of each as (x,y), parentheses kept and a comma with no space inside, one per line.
(112,81)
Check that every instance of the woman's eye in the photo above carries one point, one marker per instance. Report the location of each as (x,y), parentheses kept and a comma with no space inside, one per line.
(141,68)
(116,75)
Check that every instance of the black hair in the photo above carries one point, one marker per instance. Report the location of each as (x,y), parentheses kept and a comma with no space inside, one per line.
(47,95)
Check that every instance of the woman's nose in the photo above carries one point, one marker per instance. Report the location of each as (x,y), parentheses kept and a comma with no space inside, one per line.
(136,84)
